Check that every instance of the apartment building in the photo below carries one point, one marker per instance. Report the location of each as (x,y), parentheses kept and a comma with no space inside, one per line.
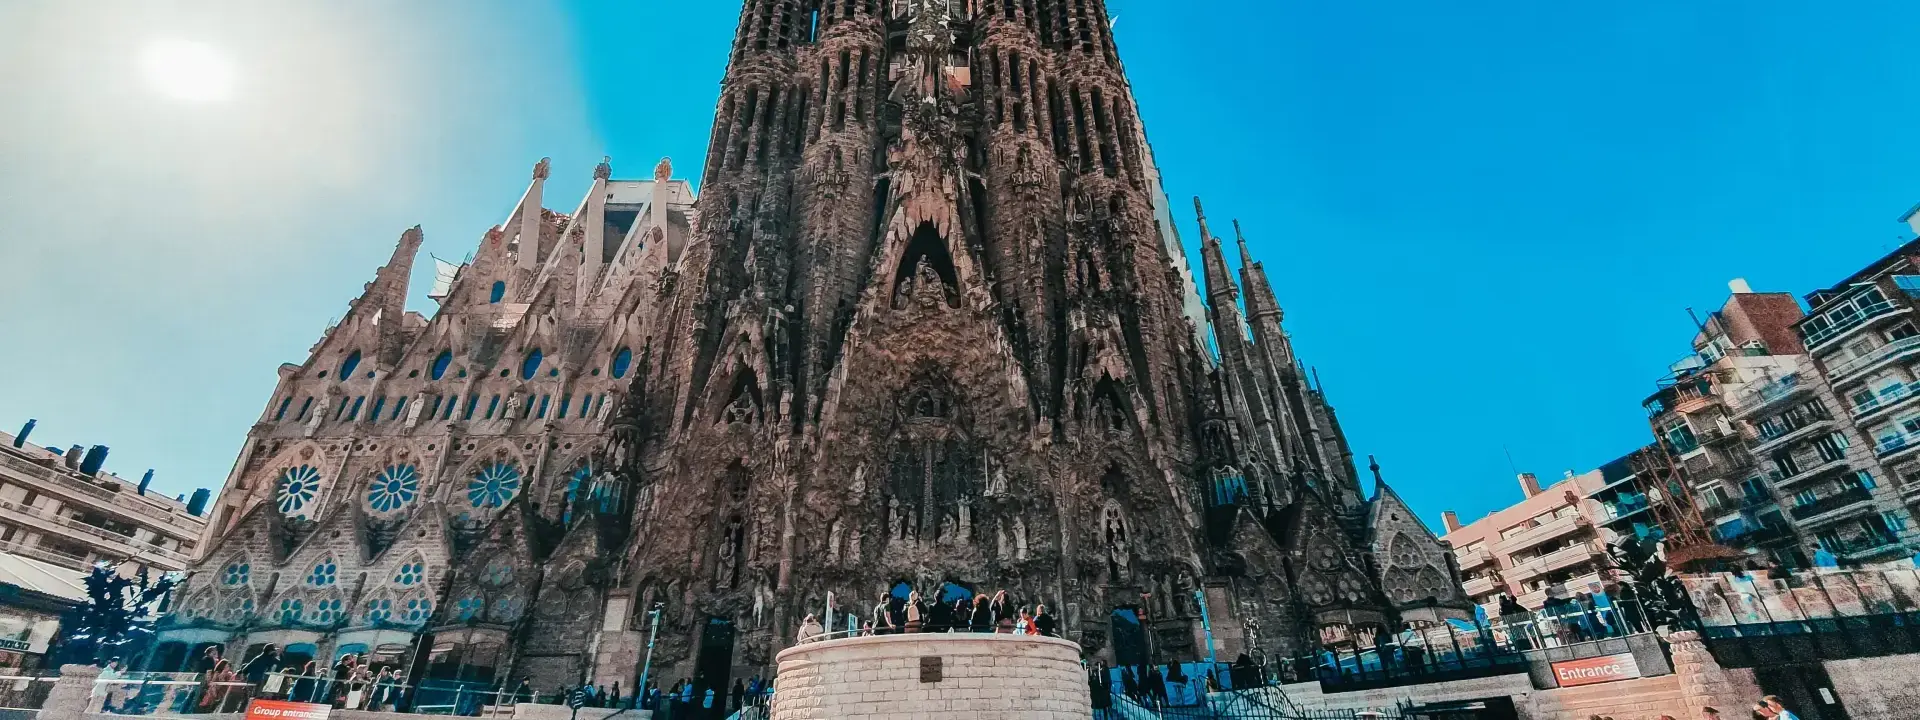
(1545,546)
(61,507)
(1855,497)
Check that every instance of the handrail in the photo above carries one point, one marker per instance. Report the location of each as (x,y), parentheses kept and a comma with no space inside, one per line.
(1860,314)
(1881,353)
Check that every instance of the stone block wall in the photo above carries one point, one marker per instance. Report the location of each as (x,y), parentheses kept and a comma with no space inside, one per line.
(1881,688)
(980,677)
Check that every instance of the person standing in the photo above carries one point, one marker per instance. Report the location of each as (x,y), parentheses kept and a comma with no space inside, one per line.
(739,695)
(1023,626)
(916,613)
(1044,623)
(257,669)
(962,616)
(980,619)
(810,630)
(1779,709)
(1003,614)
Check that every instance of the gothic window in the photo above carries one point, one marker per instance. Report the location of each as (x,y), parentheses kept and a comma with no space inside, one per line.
(379,611)
(281,414)
(494,486)
(296,489)
(410,573)
(291,611)
(237,608)
(326,611)
(499,292)
(418,610)
(440,364)
(498,572)
(324,573)
(394,488)
(469,607)
(237,573)
(739,481)
(347,366)
(507,609)
(622,362)
(531,366)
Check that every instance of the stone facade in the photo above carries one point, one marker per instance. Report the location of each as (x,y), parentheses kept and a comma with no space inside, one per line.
(927,324)
(979,676)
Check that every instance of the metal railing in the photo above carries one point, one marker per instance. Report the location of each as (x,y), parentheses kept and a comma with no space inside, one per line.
(1831,503)
(1767,393)
(1844,322)
(1883,352)
(1886,398)
(23,694)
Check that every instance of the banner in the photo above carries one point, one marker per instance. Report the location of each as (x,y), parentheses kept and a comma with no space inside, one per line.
(282,710)
(1593,671)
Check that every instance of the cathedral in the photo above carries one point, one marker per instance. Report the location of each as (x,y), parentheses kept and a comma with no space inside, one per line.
(926,325)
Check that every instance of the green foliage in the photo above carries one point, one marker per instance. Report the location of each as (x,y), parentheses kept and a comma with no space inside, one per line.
(117,618)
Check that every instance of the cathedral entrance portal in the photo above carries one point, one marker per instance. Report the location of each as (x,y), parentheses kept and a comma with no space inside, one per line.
(714,667)
(1129,637)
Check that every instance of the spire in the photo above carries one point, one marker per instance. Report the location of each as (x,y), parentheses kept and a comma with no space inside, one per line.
(594,221)
(1261,303)
(1220,287)
(386,297)
(531,218)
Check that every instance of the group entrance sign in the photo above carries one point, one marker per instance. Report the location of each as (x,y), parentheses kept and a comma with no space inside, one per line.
(283,710)
(1594,671)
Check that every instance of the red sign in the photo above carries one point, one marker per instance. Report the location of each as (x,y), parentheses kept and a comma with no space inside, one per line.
(282,710)
(1593,671)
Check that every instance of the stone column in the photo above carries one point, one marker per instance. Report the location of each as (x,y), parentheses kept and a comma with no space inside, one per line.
(1704,683)
(72,695)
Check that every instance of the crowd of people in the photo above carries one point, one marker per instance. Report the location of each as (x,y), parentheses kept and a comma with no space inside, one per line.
(894,615)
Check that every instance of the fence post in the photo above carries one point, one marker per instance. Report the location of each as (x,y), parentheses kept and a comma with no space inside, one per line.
(72,695)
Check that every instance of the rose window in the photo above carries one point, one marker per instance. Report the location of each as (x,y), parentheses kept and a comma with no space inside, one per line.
(296,489)
(494,485)
(394,488)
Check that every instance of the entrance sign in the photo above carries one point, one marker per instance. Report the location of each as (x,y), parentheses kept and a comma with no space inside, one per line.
(1593,671)
(282,710)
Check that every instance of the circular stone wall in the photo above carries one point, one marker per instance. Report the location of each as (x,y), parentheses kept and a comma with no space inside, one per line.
(932,676)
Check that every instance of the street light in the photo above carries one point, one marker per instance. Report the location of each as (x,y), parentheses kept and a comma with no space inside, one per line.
(652,632)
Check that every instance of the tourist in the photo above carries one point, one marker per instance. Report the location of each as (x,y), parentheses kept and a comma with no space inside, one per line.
(1023,626)
(1779,709)
(980,619)
(1003,615)
(218,682)
(107,684)
(962,616)
(257,669)
(209,658)
(738,697)
(810,630)
(883,616)
(306,683)
(939,616)
(1044,623)
(916,613)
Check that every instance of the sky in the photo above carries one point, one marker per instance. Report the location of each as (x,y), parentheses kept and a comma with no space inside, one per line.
(1486,221)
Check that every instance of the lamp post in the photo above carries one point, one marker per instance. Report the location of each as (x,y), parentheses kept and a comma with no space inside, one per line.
(652,633)
(1206,623)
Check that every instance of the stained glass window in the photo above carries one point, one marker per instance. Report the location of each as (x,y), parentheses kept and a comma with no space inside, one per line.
(469,607)
(494,485)
(347,366)
(531,365)
(291,610)
(325,573)
(440,364)
(379,611)
(622,362)
(410,573)
(418,610)
(238,573)
(394,488)
(296,489)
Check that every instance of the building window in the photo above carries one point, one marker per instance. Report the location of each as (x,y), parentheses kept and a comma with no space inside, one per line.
(296,489)
(494,486)
(379,403)
(1680,435)
(1831,447)
(325,573)
(281,414)
(499,292)
(354,413)
(410,573)
(492,405)
(472,400)
(237,574)
(531,366)
(1830,541)
(348,366)
(1896,521)
(1784,464)
(305,406)
(1858,480)
(1901,332)
(394,488)
(543,406)
(440,364)
(1804,498)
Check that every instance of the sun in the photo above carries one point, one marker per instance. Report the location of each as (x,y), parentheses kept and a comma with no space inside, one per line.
(187,70)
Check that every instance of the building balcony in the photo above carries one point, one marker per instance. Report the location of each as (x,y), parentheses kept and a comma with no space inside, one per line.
(1893,397)
(1757,535)
(1628,506)
(1557,528)
(1483,586)
(1896,446)
(114,543)
(1537,599)
(1770,394)
(1855,368)
(46,554)
(1844,325)
(1782,479)
(1573,555)
(1869,547)
(1763,443)
(1832,506)
(72,488)
(1471,559)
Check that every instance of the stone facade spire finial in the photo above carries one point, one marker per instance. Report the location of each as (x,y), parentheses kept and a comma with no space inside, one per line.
(542,168)
(663,171)
(604,171)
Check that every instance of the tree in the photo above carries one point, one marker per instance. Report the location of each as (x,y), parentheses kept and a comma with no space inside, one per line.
(118,616)
(1661,596)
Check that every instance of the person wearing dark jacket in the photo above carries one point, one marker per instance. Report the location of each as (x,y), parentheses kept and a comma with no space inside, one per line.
(981,620)
(262,665)
(1045,622)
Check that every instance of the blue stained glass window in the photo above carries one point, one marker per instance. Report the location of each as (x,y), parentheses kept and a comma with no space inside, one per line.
(325,573)
(354,414)
(305,407)
(622,362)
(399,408)
(281,414)
(493,405)
(238,573)
(499,291)
(564,401)
(325,611)
(410,573)
(532,364)
(379,611)
(469,607)
(297,487)
(394,488)
(499,572)
(543,406)
(494,485)
(441,363)
(347,366)
(291,610)
(418,610)
(379,403)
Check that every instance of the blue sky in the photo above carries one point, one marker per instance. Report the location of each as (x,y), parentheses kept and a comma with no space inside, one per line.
(1486,221)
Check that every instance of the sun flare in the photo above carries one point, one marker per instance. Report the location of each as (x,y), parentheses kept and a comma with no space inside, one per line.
(187,70)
